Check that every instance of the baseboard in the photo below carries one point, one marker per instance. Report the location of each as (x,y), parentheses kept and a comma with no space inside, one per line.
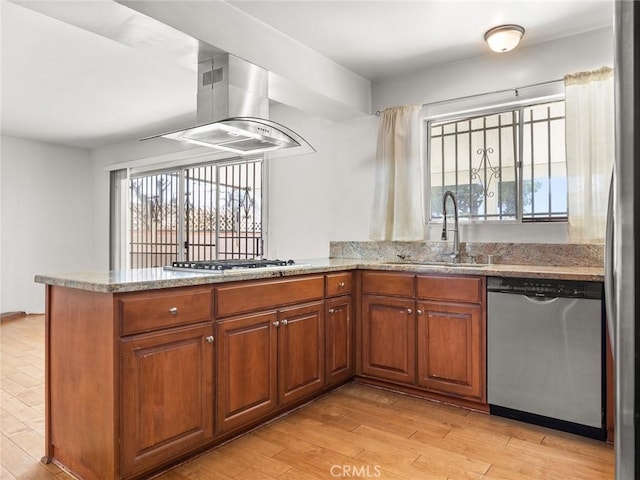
(5,317)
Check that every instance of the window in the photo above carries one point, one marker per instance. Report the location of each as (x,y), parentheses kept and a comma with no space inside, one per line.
(196,213)
(505,165)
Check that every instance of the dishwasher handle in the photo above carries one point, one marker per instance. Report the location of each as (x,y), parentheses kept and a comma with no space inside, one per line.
(541,300)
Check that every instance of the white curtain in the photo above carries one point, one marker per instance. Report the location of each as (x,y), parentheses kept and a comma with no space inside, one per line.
(118,214)
(397,204)
(590,152)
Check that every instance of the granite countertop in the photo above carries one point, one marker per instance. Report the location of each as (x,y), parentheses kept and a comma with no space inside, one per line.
(155,278)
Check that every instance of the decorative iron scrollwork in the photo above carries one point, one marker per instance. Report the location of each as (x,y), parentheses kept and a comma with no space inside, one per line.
(485,165)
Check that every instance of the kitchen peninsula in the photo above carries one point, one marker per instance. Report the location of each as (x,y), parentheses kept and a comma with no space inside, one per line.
(145,368)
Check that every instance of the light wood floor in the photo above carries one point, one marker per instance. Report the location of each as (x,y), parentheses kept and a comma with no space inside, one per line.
(354,432)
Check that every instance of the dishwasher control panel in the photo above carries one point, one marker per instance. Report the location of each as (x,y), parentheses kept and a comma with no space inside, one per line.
(537,287)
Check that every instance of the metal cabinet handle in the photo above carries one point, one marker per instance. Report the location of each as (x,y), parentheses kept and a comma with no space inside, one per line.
(341,285)
(276,324)
(409,311)
(173,310)
(284,322)
(210,339)
(332,310)
(419,312)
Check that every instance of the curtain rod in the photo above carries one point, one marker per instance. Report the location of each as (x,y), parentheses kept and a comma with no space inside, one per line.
(515,90)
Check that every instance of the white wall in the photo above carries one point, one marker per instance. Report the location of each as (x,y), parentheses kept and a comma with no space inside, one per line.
(46,210)
(496,71)
(316,198)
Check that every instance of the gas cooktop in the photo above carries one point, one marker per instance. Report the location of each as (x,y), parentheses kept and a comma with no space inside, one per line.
(220,266)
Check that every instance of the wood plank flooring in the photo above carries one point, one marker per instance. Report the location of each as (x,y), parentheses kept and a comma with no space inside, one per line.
(354,432)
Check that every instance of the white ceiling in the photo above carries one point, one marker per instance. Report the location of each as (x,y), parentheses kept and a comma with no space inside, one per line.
(68,77)
(380,39)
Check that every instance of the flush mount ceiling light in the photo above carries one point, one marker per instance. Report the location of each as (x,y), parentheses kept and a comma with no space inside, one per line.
(504,38)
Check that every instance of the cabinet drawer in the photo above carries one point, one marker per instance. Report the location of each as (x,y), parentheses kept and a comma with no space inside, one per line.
(388,284)
(338,284)
(141,312)
(252,296)
(453,289)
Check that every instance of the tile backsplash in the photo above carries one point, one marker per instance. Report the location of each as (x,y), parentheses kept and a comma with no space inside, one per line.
(559,254)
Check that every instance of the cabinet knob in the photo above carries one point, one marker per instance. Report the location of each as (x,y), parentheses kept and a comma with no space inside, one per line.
(173,310)
(341,285)
(210,339)
(332,310)
(276,324)
(419,312)
(284,322)
(409,311)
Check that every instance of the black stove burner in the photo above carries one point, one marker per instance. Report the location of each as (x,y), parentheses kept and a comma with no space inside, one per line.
(230,264)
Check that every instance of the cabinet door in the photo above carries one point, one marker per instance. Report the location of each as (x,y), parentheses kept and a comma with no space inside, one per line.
(301,351)
(388,338)
(339,339)
(247,369)
(450,349)
(167,395)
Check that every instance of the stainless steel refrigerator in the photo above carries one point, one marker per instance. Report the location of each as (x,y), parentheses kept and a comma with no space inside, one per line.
(621,248)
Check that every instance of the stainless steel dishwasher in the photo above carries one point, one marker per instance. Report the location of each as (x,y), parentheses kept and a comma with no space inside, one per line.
(545,353)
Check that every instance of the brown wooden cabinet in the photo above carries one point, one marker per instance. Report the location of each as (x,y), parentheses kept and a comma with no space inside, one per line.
(425,331)
(151,311)
(451,349)
(339,328)
(300,351)
(337,284)
(167,395)
(247,369)
(129,379)
(388,326)
(388,338)
(137,370)
(339,339)
(268,359)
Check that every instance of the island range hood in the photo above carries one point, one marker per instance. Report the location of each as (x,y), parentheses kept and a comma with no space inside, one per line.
(233,111)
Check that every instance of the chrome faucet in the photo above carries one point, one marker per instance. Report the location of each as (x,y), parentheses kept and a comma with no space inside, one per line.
(455,255)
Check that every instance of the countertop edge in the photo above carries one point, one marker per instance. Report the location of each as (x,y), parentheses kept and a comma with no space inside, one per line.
(157,278)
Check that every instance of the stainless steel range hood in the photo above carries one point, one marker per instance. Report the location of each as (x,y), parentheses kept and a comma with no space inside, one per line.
(233,111)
